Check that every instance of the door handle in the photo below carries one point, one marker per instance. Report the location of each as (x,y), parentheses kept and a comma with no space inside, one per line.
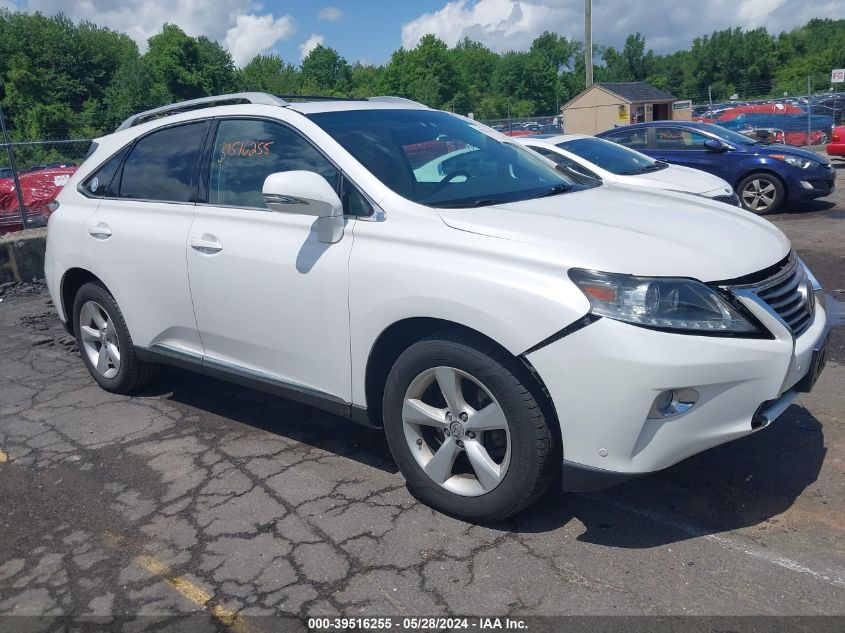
(207,245)
(100,231)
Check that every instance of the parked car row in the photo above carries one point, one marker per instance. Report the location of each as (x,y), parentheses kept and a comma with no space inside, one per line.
(797,121)
(766,177)
(506,323)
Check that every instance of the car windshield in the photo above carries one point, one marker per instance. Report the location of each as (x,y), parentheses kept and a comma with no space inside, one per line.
(613,157)
(730,136)
(441,160)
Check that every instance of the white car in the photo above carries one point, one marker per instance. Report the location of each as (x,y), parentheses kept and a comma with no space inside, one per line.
(499,323)
(588,158)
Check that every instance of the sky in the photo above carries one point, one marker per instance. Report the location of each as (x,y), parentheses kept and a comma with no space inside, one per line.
(368,31)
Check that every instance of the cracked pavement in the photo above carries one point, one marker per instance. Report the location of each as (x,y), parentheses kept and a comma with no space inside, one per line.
(200,497)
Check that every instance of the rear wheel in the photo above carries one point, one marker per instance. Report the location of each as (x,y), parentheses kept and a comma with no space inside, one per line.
(761,193)
(465,430)
(105,344)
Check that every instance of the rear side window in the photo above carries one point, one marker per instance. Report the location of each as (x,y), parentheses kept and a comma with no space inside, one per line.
(103,182)
(247,151)
(162,165)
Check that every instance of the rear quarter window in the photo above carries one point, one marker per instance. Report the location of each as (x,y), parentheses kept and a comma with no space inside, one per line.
(163,165)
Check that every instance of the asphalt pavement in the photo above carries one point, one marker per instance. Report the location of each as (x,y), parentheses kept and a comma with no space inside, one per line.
(201,497)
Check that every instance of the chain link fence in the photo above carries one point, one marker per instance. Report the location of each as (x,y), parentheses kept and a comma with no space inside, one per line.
(801,120)
(31,175)
(523,126)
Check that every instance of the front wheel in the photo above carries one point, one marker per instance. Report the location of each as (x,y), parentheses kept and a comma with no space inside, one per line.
(761,193)
(465,430)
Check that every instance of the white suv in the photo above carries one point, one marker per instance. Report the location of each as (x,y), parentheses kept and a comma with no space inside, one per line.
(416,271)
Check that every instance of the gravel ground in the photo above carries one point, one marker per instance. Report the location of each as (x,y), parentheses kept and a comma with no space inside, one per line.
(201,497)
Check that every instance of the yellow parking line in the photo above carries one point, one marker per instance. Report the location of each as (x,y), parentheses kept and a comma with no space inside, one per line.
(195,594)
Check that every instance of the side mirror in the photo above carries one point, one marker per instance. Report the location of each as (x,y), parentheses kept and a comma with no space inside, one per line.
(306,193)
(715,146)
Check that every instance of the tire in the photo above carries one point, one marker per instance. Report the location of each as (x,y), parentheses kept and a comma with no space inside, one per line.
(511,478)
(101,332)
(756,189)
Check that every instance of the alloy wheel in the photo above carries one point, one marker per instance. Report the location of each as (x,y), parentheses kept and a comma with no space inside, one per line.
(456,431)
(99,339)
(759,194)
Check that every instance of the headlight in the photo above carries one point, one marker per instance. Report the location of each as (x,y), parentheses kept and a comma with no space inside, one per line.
(666,303)
(795,161)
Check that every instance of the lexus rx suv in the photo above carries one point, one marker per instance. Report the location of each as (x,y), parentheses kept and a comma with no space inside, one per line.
(422,274)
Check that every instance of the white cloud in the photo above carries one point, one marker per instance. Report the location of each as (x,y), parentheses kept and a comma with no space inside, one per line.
(330,13)
(254,34)
(310,44)
(141,19)
(501,24)
(667,25)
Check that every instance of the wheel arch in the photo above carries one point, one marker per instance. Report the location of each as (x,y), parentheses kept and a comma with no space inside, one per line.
(762,170)
(400,335)
(72,281)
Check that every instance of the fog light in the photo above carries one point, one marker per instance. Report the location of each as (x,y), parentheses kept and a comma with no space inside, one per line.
(664,400)
(806,184)
(673,402)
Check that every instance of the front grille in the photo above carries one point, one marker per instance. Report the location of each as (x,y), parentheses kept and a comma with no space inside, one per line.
(788,293)
(731,199)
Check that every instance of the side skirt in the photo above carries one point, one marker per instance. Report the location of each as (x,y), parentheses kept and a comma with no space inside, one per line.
(256,380)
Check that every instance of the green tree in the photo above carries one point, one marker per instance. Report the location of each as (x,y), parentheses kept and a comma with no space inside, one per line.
(474,65)
(324,71)
(269,73)
(424,73)
(366,80)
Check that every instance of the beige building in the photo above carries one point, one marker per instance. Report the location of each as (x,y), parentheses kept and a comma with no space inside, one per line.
(605,105)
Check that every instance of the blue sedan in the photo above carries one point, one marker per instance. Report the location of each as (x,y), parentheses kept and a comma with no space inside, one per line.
(764,176)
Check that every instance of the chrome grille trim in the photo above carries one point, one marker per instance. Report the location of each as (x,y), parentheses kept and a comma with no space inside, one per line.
(732,199)
(787,295)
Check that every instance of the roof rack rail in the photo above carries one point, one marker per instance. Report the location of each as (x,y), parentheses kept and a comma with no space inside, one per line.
(389,99)
(257,98)
(315,98)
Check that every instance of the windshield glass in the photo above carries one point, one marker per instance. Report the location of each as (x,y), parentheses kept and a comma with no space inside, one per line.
(613,157)
(730,136)
(439,159)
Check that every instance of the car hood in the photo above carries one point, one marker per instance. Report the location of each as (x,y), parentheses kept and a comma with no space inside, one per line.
(624,229)
(789,149)
(678,178)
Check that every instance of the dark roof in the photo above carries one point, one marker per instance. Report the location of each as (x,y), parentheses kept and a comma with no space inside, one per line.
(637,91)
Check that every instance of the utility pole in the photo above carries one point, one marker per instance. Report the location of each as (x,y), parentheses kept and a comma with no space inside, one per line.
(809,110)
(588,40)
(710,95)
(11,152)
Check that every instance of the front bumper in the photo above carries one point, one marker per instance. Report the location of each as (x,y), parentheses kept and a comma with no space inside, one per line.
(604,378)
(811,183)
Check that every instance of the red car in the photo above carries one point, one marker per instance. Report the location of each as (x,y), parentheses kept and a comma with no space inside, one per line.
(836,147)
(39,188)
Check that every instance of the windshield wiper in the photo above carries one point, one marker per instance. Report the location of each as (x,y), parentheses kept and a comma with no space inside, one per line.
(557,189)
(482,202)
(657,166)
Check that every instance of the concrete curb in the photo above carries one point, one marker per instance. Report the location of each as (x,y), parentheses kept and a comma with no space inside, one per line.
(22,255)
